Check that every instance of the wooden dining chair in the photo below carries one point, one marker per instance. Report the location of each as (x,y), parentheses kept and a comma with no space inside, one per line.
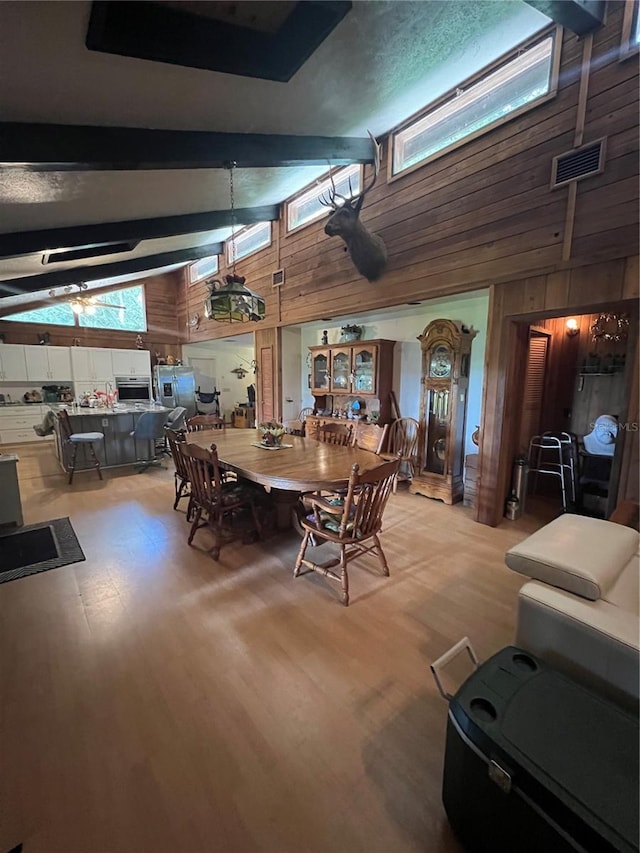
(181,474)
(333,433)
(403,440)
(369,436)
(198,423)
(217,504)
(352,522)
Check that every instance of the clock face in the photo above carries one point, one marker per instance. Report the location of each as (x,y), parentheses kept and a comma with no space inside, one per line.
(440,362)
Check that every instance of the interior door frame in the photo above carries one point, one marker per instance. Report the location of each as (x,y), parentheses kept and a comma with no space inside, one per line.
(505,366)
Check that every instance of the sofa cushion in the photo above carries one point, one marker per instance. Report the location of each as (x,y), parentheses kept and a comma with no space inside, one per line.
(581,555)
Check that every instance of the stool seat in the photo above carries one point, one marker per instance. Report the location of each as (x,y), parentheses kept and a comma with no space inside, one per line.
(86,436)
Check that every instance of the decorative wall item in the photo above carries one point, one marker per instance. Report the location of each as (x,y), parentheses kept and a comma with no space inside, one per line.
(44,338)
(194,321)
(139,342)
(610,327)
(325,338)
(367,251)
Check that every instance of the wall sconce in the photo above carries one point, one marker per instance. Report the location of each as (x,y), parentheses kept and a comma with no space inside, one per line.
(572,327)
(240,372)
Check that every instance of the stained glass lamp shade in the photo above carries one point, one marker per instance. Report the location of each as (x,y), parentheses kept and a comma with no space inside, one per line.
(233,302)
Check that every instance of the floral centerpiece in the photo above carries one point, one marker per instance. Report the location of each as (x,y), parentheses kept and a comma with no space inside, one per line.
(272,433)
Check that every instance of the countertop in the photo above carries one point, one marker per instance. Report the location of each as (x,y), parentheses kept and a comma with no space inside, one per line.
(106,413)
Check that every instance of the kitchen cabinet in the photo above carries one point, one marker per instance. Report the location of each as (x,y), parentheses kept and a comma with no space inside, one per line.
(126,362)
(17,423)
(92,364)
(48,363)
(358,369)
(13,365)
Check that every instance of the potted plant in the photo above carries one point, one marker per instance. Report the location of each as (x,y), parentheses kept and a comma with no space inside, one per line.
(272,433)
(351,333)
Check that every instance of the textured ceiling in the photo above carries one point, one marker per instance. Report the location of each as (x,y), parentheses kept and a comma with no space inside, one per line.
(384,61)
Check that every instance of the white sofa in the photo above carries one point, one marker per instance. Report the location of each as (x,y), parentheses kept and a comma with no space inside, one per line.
(580,611)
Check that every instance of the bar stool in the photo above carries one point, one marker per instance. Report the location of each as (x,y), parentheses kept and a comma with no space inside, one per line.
(554,453)
(72,438)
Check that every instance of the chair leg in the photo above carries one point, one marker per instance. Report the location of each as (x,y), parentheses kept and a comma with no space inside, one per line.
(194,525)
(344,577)
(301,552)
(72,467)
(96,463)
(381,556)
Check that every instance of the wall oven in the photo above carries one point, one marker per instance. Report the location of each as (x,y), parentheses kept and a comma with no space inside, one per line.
(134,389)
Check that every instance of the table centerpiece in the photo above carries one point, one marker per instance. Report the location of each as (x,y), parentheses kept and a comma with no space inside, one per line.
(272,433)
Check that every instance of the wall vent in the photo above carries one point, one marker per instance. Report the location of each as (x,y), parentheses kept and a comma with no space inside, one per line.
(277,278)
(580,163)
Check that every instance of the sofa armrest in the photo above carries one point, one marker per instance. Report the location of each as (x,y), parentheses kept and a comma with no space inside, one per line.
(595,642)
(581,555)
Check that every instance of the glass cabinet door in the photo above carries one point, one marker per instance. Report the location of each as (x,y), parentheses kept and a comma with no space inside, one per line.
(341,370)
(320,371)
(364,370)
(437,437)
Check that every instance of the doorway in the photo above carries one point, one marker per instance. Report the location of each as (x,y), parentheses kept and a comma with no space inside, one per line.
(576,397)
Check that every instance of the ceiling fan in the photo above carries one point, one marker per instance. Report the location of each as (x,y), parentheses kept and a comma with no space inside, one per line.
(85,304)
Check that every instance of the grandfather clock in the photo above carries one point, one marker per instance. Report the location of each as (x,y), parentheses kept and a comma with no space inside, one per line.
(446,354)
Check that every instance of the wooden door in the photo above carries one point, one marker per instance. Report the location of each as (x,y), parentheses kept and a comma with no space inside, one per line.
(534,385)
(269,384)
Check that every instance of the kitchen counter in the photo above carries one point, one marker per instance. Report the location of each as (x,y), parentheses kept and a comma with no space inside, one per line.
(119,446)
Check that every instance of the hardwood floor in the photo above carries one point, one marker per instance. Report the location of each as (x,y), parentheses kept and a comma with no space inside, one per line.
(153,700)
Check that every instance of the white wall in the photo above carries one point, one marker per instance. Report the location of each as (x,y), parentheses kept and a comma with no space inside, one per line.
(404,326)
(227,355)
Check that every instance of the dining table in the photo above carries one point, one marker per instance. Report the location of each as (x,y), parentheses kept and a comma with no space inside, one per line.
(298,465)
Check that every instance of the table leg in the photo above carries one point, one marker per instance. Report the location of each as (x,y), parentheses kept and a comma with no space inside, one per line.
(285,502)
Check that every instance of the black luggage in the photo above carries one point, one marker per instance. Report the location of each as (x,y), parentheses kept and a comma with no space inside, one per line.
(535,762)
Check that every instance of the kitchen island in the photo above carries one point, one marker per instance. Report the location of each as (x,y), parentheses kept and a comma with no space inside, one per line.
(118,448)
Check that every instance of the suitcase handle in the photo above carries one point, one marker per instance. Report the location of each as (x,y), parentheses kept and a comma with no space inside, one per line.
(447,657)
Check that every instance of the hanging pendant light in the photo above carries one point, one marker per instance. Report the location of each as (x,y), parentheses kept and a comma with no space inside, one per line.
(231,301)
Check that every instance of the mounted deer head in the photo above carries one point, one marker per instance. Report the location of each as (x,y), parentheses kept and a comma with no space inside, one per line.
(368,252)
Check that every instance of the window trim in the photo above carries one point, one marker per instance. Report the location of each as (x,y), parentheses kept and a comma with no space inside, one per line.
(190,281)
(555,31)
(627,49)
(319,185)
(244,231)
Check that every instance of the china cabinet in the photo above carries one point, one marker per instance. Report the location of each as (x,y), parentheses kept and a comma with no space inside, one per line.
(358,369)
(446,356)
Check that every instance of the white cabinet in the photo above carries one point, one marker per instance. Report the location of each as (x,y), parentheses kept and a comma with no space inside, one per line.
(91,364)
(13,365)
(17,423)
(45,362)
(131,362)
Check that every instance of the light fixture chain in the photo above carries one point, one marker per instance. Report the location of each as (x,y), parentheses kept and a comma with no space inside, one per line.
(232,166)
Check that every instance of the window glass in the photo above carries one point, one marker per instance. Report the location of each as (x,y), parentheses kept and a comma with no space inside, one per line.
(59,315)
(520,81)
(129,316)
(308,207)
(129,313)
(635,25)
(203,268)
(249,240)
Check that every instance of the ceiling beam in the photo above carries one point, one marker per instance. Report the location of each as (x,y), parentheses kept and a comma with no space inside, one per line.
(33,283)
(52,239)
(63,147)
(579,16)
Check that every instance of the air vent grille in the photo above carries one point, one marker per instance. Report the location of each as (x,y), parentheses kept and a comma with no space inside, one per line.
(580,163)
(277,278)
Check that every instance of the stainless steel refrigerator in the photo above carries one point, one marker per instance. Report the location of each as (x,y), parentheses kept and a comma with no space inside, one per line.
(175,386)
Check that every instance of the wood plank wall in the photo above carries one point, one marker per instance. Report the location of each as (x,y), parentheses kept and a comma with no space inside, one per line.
(481,214)
(163,334)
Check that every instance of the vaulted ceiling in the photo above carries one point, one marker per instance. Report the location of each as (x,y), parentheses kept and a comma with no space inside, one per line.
(100,147)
